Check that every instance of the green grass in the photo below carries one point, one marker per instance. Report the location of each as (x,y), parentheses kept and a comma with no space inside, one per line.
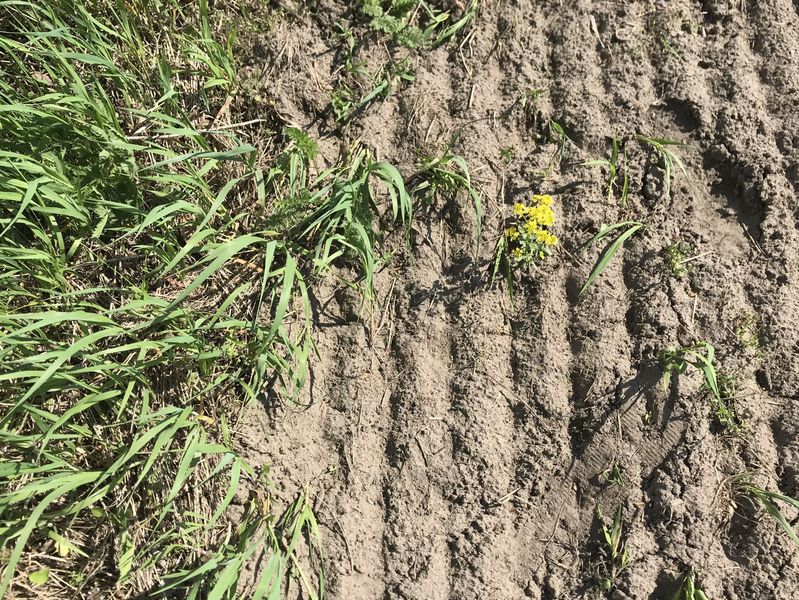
(768,500)
(615,170)
(616,557)
(156,276)
(689,590)
(444,177)
(628,228)
(664,150)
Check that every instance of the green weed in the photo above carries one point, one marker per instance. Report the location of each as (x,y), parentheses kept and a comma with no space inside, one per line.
(415,23)
(616,556)
(664,150)
(689,590)
(447,175)
(614,474)
(768,501)
(721,389)
(155,280)
(556,135)
(747,331)
(614,170)
(346,103)
(628,227)
(678,257)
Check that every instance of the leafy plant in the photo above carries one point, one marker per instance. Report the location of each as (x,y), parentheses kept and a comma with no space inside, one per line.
(689,590)
(721,389)
(616,557)
(747,330)
(414,23)
(628,227)
(447,175)
(678,258)
(664,149)
(529,238)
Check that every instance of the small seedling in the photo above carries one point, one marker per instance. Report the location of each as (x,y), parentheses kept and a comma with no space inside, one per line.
(766,500)
(678,257)
(531,96)
(614,474)
(612,164)
(616,556)
(720,388)
(557,135)
(747,330)
(689,590)
(345,102)
(664,149)
(507,154)
(628,227)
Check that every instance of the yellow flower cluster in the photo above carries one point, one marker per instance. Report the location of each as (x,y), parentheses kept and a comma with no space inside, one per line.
(530,237)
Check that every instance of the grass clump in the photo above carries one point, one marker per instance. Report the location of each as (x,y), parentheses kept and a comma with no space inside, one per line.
(446,175)
(768,501)
(156,279)
(352,97)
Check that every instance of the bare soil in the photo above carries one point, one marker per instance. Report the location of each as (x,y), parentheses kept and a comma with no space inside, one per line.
(455,442)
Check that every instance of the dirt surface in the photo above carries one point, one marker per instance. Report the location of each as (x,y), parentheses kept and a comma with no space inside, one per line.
(456,443)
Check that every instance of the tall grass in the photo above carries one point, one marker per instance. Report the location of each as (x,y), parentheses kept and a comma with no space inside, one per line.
(154,279)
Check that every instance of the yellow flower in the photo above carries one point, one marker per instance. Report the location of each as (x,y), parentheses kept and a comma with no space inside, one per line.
(519,209)
(531,227)
(512,233)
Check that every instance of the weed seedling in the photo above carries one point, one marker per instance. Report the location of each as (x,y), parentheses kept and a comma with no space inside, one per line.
(766,500)
(614,474)
(557,135)
(412,23)
(664,149)
(616,557)
(678,258)
(447,175)
(614,169)
(507,154)
(628,228)
(747,330)
(720,388)
(689,590)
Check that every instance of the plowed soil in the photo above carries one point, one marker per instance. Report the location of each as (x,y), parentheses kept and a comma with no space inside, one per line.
(455,441)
